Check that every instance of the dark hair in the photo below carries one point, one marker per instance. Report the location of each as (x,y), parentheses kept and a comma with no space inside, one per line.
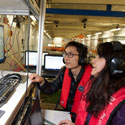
(82,49)
(104,85)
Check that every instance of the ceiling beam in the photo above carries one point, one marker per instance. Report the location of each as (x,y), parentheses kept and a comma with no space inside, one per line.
(107,13)
(113,2)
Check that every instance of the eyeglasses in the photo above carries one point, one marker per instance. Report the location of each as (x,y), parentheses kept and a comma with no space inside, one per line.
(69,55)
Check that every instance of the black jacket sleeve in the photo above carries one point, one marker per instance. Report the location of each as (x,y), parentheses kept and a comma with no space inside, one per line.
(55,85)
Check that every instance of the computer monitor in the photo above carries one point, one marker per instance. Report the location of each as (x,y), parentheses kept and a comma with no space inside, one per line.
(53,62)
(2,54)
(33,58)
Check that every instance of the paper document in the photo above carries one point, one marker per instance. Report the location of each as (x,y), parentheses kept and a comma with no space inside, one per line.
(53,117)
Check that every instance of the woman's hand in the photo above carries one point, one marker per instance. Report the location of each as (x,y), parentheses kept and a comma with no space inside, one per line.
(36,78)
(66,122)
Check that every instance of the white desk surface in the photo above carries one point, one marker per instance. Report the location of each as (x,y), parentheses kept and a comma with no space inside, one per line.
(54,116)
(13,105)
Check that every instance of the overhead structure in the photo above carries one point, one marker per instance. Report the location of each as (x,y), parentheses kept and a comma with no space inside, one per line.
(18,7)
(101,16)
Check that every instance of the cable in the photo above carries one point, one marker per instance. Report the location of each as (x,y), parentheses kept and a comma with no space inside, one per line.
(17,62)
(8,34)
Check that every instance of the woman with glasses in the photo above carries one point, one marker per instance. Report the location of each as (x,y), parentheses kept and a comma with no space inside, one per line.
(103,100)
(71,79)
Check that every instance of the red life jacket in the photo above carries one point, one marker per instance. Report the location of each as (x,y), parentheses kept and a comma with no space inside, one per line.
(104,116)
(66,88)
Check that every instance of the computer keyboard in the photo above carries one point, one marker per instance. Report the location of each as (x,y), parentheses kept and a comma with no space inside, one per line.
(8,83)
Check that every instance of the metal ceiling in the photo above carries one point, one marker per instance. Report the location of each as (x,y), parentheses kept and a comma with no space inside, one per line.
(69,18)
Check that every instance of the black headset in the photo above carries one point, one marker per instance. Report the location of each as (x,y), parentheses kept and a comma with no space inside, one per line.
(117,63)
(82,54)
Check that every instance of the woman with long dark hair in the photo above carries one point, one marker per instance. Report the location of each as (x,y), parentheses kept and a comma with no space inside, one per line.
(103,100)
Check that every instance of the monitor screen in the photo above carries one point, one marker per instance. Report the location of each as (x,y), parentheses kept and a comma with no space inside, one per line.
(33,58)
(2,54)
(53,62)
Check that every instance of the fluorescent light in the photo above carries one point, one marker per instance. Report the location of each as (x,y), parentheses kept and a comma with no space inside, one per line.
(33,18)
(58,45)
(98,33)
(51,45)
(115,29)
(107,34)
(47,35)
(120,33)
(89,35)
